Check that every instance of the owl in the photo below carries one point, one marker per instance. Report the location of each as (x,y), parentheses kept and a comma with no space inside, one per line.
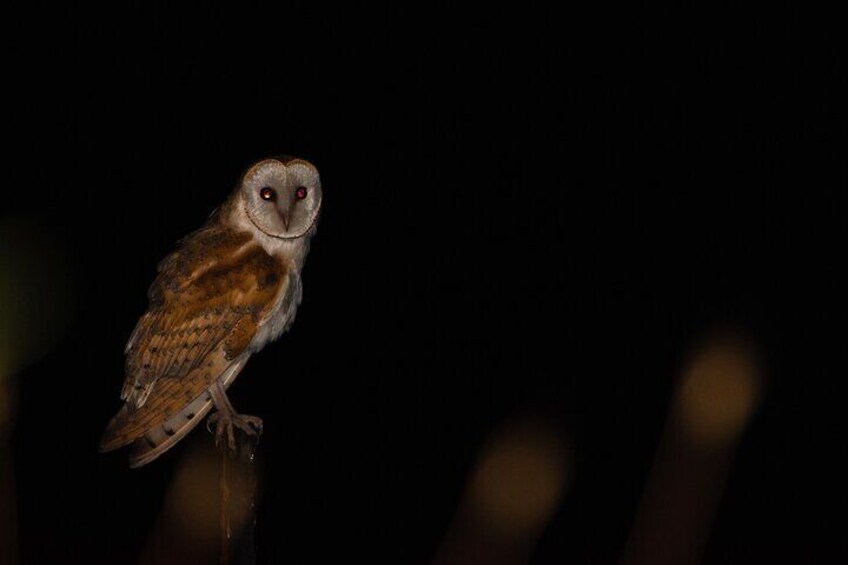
(230,288)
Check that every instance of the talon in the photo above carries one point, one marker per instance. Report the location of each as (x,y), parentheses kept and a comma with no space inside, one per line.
(251,425)
(210,421)
(225,423)
(231,438)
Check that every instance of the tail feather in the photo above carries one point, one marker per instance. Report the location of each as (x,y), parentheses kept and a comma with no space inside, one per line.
(113,438)
(150,429)
(162,437)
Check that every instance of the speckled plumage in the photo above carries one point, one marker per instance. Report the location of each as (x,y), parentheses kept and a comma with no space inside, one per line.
(227,290)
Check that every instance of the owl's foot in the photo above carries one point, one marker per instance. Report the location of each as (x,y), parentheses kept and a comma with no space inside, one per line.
(225,422)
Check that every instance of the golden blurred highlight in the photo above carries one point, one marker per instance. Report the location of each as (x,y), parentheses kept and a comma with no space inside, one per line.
(720,388)
(36,298)
(187,530)
(519,479)
(719,391)
(516,486)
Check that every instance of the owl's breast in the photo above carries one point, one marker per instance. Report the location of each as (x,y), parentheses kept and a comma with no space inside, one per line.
(281,316)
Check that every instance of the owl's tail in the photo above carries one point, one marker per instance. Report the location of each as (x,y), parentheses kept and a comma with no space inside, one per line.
(114,437)
(163,437)
(151,431)
(158,438)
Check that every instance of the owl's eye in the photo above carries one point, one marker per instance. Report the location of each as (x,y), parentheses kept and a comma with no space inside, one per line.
(300,193)
(268,193)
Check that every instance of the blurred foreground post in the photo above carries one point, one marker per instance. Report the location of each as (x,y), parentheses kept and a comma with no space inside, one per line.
(225,532)
(238,503)
(715,399)
(516,486)
(196,525)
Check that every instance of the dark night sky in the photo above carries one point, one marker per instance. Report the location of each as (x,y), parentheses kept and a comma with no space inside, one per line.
(523,211)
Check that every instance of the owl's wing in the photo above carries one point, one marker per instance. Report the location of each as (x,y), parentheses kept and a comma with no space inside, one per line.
(213,283)
(176,407)
(206,305)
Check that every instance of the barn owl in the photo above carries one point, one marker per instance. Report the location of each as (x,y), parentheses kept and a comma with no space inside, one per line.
(230,288)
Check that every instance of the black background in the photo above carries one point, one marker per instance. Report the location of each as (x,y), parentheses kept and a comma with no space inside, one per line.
(523,210)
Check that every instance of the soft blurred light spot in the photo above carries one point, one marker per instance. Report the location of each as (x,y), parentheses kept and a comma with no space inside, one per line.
(720,390)
(520,479)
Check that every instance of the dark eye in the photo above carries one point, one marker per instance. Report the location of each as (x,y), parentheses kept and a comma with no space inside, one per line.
(268,193)
(300,193)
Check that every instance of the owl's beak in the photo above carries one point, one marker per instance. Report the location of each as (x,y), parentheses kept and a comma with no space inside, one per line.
(284,215)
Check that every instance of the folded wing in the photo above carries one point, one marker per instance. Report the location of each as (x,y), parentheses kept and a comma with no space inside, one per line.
(206,304)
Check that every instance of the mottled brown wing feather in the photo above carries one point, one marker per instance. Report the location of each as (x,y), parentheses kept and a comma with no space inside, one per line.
(163,434)
(169,398)
(205,307)
(215,278)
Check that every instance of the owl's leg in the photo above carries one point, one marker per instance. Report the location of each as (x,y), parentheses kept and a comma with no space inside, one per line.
(226,419)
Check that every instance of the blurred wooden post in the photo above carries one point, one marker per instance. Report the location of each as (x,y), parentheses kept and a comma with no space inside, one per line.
(680,501)
(238,503)
(195,526)
(519,480)
(225,510)
(716,397)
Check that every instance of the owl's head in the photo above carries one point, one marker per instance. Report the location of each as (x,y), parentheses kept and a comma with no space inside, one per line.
(282,197)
